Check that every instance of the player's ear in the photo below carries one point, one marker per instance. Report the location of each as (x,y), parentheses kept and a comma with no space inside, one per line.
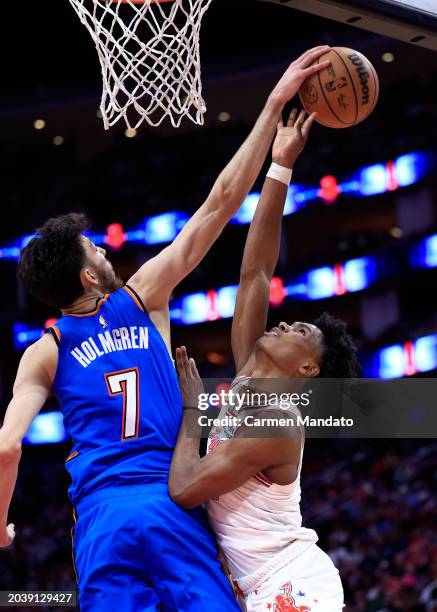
(88,278)
(309,369)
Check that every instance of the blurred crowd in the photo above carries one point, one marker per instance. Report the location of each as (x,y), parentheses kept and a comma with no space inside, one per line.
(373,504)
(374,509)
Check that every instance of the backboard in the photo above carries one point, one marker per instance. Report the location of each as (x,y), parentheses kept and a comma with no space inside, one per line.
(411,21)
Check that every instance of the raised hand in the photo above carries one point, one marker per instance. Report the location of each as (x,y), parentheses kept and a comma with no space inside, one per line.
(291,138)
(189,380)
(298,71)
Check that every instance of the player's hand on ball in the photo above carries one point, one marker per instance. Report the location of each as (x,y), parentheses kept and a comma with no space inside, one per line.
(189,380)
(298,71)
(291,138)
(7,535)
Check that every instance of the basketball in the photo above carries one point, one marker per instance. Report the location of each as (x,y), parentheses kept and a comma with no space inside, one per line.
(344,93)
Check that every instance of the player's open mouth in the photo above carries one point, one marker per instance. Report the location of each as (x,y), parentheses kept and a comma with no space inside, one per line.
(275,331)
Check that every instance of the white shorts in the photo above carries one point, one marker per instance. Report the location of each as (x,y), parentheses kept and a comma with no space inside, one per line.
(310,582)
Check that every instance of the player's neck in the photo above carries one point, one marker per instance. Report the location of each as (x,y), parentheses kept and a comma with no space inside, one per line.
(85,303)
(265,367)
(268,376)
(275,382)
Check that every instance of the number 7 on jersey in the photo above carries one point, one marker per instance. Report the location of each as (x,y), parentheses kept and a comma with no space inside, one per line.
(126,383)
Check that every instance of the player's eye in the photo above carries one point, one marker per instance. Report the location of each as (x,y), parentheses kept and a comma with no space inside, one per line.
(302,331)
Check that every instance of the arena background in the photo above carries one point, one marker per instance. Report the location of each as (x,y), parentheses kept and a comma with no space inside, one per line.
(359,241)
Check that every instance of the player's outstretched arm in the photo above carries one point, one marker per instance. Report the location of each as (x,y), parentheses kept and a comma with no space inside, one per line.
(157,278)
(32,387)
(262,245)
(194,480)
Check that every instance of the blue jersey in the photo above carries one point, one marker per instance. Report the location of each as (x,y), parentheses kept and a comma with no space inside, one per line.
(119,394)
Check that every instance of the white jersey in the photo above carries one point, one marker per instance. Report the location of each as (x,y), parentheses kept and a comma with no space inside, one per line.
(258,525)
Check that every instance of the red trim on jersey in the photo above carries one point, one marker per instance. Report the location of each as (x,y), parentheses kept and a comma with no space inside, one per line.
(262,479)
(236,588)
(262,475)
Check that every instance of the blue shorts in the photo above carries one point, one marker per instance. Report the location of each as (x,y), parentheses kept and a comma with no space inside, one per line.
(136,550)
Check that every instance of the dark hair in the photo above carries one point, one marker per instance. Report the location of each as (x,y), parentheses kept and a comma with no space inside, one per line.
(339,351)
(50,263)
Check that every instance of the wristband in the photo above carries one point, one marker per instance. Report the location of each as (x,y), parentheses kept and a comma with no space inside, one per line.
(279,173)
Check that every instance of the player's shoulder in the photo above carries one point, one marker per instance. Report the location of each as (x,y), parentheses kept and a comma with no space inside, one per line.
(44,345)
(124,299)
(239,382)
(38,363)
(42,351)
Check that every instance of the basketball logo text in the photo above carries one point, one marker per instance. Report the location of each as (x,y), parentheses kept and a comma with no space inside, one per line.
(363,76)
(336,84)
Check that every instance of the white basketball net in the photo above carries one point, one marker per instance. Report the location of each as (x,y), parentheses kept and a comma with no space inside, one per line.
(149,55)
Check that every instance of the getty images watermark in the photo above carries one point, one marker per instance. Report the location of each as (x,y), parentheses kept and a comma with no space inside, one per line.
(325,408)
(251,407)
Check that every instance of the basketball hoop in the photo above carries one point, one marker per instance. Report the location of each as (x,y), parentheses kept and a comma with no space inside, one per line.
(149,57)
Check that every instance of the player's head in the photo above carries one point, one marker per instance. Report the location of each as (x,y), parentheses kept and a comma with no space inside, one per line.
(60,264)
(306,350)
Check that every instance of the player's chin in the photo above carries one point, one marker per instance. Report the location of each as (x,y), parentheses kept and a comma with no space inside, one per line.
(265,342)
(259,343)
